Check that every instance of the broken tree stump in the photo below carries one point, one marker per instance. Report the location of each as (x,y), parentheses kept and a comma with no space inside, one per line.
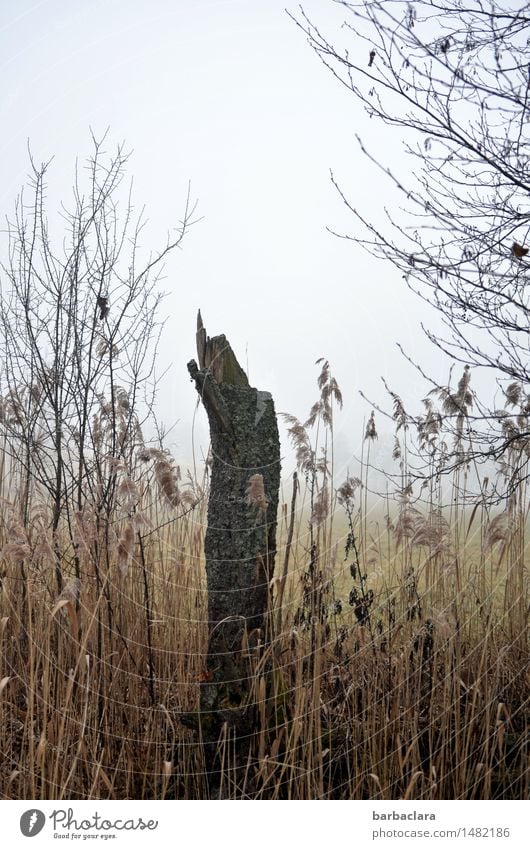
(240,541)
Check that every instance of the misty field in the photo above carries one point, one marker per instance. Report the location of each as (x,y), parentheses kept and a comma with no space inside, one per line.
(394,664)
(299,611)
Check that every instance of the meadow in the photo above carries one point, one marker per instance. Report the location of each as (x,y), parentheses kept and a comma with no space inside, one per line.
(395,663)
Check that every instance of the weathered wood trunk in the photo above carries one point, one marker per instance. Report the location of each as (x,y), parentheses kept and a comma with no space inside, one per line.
(240,543)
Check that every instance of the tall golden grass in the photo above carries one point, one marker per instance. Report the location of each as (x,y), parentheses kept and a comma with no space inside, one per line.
(395,664)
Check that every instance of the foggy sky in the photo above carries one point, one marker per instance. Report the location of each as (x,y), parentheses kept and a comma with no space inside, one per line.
(225,94)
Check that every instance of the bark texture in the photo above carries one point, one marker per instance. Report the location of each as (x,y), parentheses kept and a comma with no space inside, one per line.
(240,543)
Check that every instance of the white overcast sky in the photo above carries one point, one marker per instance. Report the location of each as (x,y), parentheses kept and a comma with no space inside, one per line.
(228,95)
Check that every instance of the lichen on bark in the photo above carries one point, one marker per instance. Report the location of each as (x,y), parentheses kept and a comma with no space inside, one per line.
(240,540)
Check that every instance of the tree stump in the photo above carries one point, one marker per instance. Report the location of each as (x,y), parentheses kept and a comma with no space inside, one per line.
(240,542)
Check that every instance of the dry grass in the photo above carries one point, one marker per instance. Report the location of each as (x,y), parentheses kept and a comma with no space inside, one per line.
(398,668)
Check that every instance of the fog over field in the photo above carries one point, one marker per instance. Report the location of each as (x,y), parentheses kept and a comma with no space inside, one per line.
(205,595)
